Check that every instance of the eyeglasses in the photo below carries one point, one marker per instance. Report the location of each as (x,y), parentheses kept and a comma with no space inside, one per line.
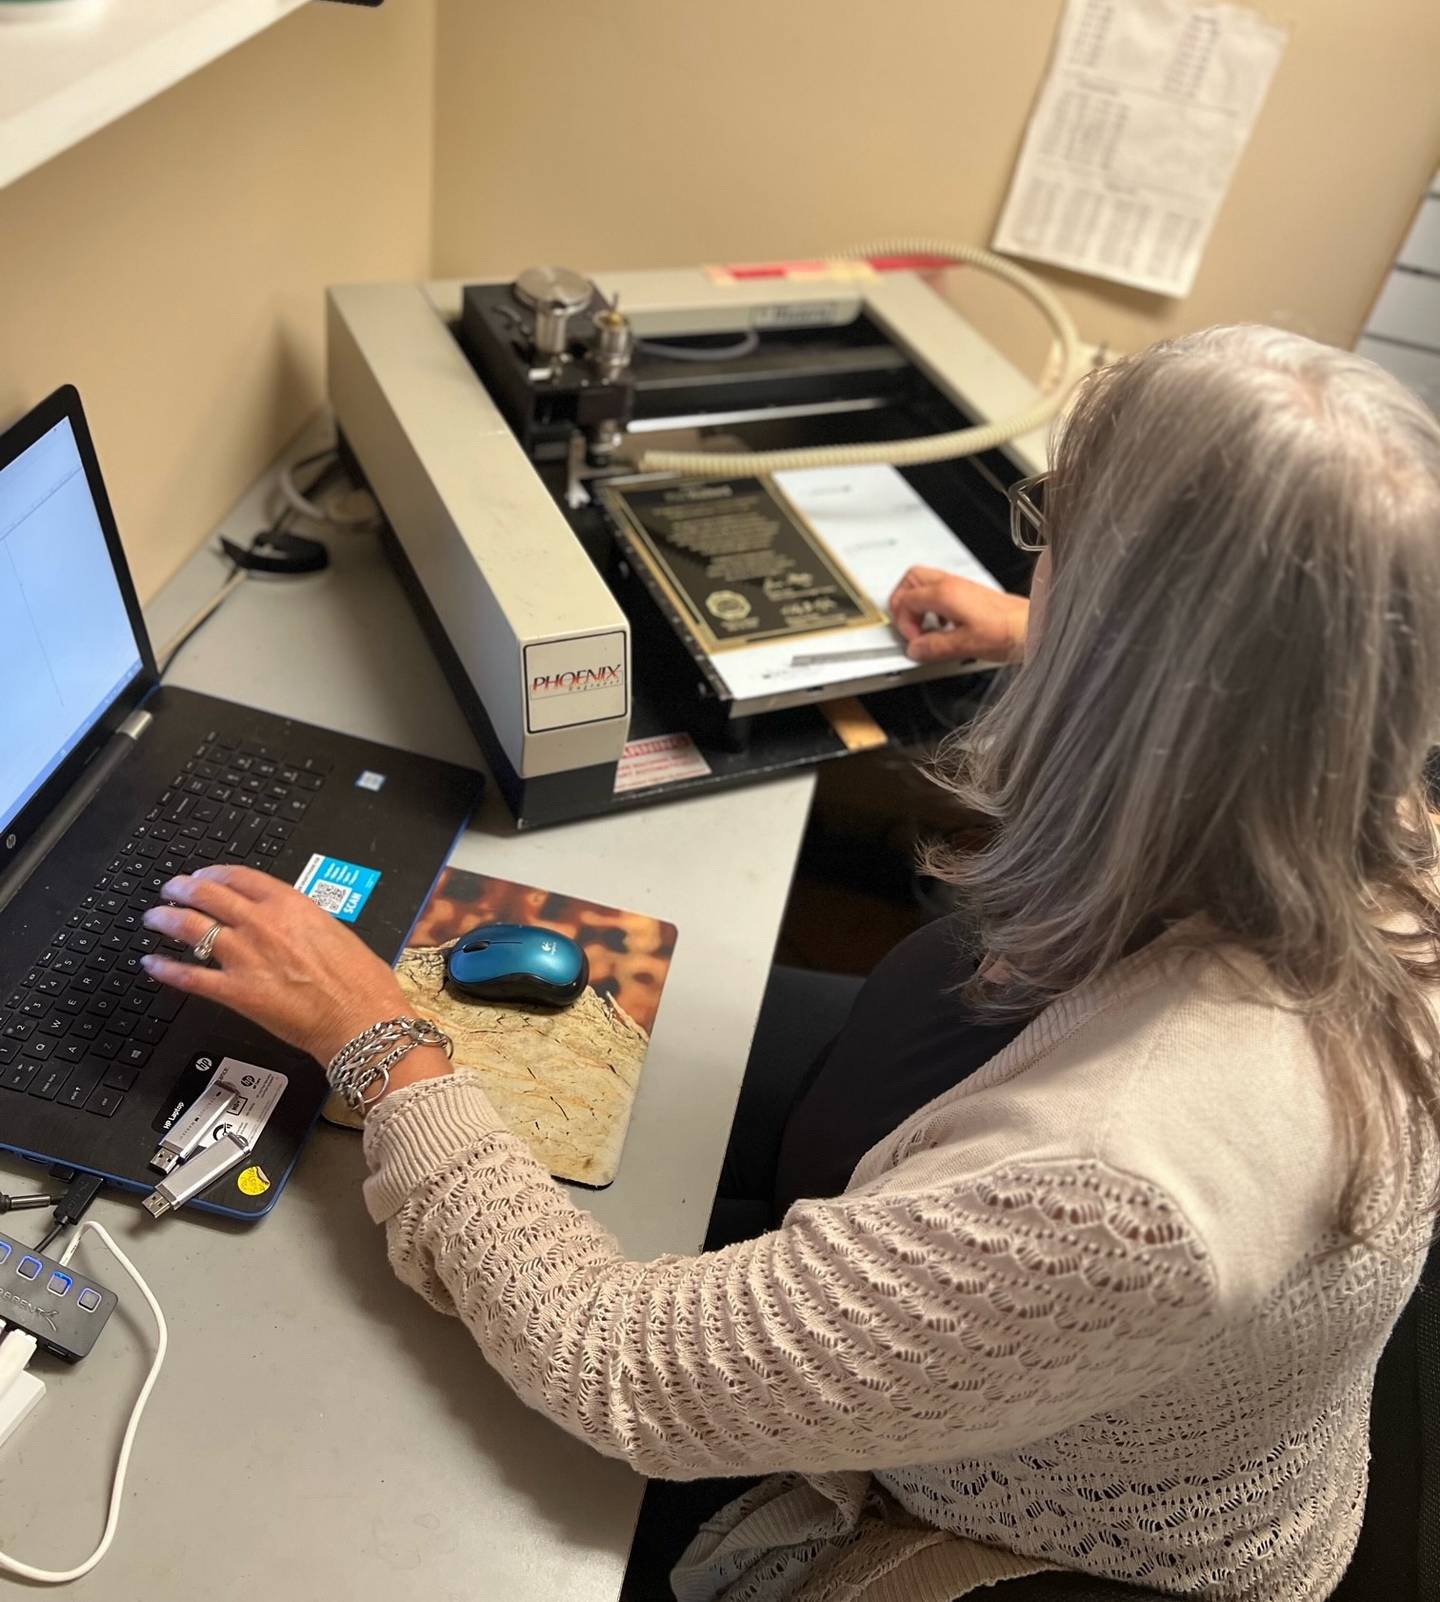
(1028,527)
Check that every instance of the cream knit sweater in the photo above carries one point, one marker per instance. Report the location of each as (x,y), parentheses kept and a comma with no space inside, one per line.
(1084,1310)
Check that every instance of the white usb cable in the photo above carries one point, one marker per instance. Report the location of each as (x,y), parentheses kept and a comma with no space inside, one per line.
(19,1356)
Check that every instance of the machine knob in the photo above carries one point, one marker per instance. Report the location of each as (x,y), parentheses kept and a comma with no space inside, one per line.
(555,294)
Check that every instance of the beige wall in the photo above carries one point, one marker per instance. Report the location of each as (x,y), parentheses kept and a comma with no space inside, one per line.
(650,132)
(173,264)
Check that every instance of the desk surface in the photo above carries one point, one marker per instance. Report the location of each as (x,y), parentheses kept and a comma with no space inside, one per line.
(317,1430)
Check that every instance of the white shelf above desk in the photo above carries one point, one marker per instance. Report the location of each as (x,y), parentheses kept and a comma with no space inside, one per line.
(73,68)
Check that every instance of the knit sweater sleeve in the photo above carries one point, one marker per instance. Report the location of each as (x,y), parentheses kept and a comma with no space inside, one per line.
(876,1330)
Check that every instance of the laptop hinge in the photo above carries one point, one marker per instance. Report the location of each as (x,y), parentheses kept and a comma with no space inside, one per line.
(81,794)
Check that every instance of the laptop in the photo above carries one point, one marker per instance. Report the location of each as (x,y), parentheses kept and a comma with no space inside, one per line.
(110,782)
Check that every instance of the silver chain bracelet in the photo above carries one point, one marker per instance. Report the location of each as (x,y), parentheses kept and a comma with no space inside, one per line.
(368,1058)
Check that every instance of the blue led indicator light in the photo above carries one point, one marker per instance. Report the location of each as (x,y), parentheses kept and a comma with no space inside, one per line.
(4,1250)
(59,1283)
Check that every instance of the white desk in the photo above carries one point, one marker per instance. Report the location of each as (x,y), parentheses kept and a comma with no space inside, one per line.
(318,1432)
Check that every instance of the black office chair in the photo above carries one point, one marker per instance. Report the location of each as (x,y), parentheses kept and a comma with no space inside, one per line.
(1398,1556)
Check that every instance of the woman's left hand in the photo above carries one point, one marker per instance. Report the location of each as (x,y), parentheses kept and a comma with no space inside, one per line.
(279,959)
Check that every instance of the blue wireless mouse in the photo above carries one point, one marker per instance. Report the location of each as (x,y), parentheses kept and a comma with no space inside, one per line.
(514,962)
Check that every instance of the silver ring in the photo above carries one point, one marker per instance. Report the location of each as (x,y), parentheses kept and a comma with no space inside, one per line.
(206,943)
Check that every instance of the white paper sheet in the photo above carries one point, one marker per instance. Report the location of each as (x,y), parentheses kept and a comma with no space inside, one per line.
(1134,138)
(878,527)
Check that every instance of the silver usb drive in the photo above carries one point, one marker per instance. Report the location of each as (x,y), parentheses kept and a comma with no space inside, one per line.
(186,1134)
(191,1177)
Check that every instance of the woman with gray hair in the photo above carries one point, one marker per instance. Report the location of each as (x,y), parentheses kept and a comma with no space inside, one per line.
(1086,1253)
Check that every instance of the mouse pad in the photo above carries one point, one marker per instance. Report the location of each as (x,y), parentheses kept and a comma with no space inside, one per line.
(564,1081)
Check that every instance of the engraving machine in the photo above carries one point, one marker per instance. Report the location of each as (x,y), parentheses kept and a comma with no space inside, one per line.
(487,417)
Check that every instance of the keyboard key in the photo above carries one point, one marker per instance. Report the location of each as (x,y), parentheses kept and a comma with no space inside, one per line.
(288,775)
(18,1029)
(193,786)
(71,1003)
(119,1078)
(106,1046)
(295,808)
(205,812)
(161,831)
(56,1024)
(102,961)
(9,1051)
(110,905)
(142,940)
(135,866)
(131,922)
(87,983)
(166,1004)
(120,1022)
(104,1099)
(76,1090)
(19,1075)
(114,940)
(220,792)
(181,809)
(89,932)
(279,828)
(101,1006)
(36,1007)
(39,1047)
(53,984)
(318,764)
(147,851)
(72,1051)
(46,957)
(270,846)
(171,864)
(31,979)
(247,834)
(48,1081)
(116,984)
(150,1030)
(193,831)
(207,770)
(243,762)
(71,963)
(61,937)
(86,1028)
(135,1055)
(207,850)
(134,1002)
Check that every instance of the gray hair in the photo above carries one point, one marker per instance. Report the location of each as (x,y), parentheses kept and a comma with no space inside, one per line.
(1226,711)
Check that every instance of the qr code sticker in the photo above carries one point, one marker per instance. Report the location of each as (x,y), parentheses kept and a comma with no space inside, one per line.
(330,897)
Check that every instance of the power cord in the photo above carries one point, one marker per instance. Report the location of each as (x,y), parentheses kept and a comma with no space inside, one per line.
(17,1348)
(240,560)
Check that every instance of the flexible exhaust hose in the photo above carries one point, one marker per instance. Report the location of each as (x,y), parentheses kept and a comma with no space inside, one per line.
(1064,361)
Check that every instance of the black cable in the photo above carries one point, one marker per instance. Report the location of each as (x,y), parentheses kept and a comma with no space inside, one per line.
(281,523)
(72,1206)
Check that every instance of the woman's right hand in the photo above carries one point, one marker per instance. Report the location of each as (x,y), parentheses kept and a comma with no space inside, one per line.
(976,621)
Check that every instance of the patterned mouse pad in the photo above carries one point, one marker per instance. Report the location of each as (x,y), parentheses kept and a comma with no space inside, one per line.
(564,1081)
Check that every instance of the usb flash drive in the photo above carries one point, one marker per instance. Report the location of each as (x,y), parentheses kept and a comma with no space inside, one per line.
(187,1133)
(191,1177)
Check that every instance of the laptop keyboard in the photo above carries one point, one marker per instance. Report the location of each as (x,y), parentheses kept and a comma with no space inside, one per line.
(84,1022)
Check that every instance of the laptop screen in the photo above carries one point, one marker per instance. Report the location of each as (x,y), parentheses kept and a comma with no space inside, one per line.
(66,645)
